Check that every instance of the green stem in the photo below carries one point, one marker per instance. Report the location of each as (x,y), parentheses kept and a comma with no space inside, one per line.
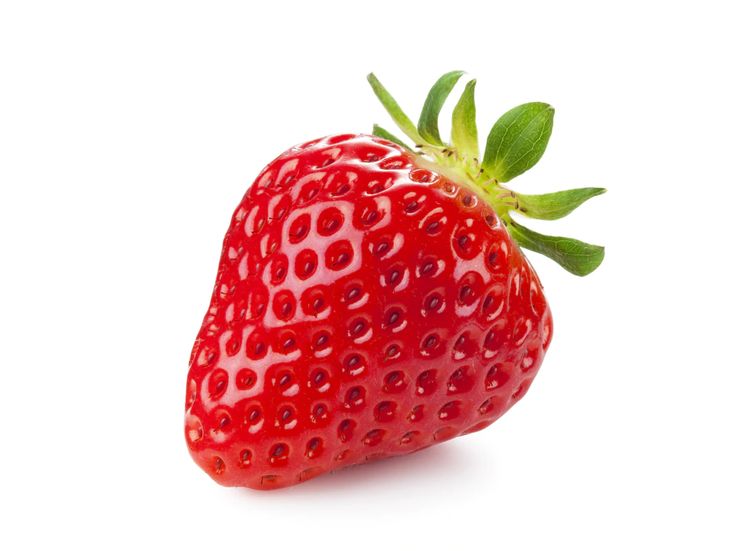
(515,144)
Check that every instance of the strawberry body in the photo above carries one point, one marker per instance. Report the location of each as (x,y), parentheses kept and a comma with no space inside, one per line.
(365,306)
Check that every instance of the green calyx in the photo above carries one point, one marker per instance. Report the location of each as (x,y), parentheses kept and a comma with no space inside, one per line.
(515,143)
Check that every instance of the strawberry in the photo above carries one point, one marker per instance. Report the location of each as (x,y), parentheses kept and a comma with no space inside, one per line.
(372,299)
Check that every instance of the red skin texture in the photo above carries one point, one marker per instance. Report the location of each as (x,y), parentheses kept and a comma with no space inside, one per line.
(363,308)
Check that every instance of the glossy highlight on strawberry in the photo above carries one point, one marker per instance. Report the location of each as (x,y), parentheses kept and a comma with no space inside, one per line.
(367,304)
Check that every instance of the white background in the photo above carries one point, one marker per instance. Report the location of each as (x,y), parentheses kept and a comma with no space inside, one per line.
(130,130)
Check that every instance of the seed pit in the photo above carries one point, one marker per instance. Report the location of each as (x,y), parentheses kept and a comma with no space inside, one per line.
(394,382)
(416,414)
(299,228)
(286,309)
(224,421)
(321,340)
(443,433)
(207,356)
(342,455)
(218,384)
(278,454)
(194,429)
(330,221)
(374,437)
(253,415)
(318,304)
(232,346)
(286,383)
(339,255)
(382,248)
(496,378)
(319,414)
(355,398)
(308,193)
(191,392)
(422,176)
(496,256)
(377,186)
(345,430)
(393,317)
(341,190)
(393,163)
(305,264)
(529,360)
(463,347)
(428,268)
(427,382)
(429,344)
(460,381)
(449,411)
(358,328)
(369,216)
(353,294)
(434,222)
(385,411)
(354,365)
(492,342)
(372,153)
(315,447)
(319,380)
(256,348)
(485,407)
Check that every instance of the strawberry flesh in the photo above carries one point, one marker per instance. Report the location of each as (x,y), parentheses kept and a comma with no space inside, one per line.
(364,307)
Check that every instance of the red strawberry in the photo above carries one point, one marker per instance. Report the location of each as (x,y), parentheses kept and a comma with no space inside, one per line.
(370,300)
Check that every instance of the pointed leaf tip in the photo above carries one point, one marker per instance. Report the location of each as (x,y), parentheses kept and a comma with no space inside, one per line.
(464,130)
(577,257)
(518,140)
(552,206)
(396,113)
(386,135)
(427,126)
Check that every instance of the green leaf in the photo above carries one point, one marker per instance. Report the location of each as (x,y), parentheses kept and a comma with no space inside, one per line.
(551,206)
(386,135)
(398,116)
(518,140)
(464,131)
(433,105)
(575,256)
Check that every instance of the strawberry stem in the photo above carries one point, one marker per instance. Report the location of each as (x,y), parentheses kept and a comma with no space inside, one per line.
(515,143)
